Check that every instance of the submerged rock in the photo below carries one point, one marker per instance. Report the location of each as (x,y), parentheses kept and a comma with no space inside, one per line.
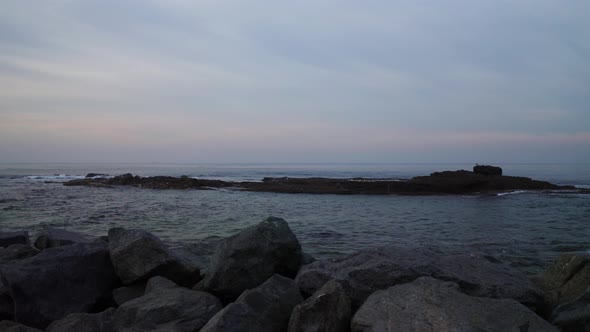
(428,304)
(9,238)
(327,310)
(247,259)
(99,322)
(16,252)
(138,255)
(166,307)
(264,308)
(59,281)
(370,270)
(54,237)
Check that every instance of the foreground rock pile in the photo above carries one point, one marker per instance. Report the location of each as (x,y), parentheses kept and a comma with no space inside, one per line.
(260,280)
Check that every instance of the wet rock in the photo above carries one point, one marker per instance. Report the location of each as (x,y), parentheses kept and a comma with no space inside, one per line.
(139,255)
(54,237)
(565,280)
(128,293)
(16,252)
(327,310)
(307,259)
(487,170)
(369,270)
(249,258)
(59,281)
(99,322)
(10,326)
(9,238)
(574,316)
(428,304)
(264,308)
(166,307)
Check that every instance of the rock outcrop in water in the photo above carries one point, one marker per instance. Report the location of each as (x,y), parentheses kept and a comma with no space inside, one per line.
(484,179)
(78,287)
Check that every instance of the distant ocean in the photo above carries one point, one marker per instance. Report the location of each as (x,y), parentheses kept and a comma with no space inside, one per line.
(524,229)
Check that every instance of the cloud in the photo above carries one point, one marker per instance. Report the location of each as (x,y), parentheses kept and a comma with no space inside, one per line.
(353,79)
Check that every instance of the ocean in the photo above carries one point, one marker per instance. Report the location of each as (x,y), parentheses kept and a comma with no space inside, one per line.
(527,230)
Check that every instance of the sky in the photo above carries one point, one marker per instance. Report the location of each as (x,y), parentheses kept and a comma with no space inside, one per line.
(499,81)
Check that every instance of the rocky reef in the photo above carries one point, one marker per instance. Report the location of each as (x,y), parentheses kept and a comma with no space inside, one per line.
(484,179)
(261,280)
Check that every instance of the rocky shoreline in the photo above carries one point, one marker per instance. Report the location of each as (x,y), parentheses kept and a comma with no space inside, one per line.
(261,280)
(483,179)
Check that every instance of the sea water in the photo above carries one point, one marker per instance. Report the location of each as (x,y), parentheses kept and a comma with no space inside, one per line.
(522,228)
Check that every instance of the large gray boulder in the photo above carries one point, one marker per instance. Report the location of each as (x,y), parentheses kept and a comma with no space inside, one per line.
(264,308)
(245,260)
(59,281)
(367,271)
(55,237)
(428,304)
(139,255)
(565,280)
(8,238)
(16,252)
(128,293)
(327,310)
(575,315)
(166,307)
(99,322)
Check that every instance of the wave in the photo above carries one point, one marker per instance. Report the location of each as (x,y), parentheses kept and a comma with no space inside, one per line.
(54,177)
(516,192)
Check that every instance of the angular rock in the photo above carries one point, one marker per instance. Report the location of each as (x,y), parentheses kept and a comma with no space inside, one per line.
(59,281)
(327,310)
(166,307)
(428,304)
(100,322)
(264,308)
(128,293)
(565,280)
(54,237)
(369,270)
(573,316)
(247,259)
(10,326)
(139,255)
(8,238)
(16,252)
(6,304)
(487,170)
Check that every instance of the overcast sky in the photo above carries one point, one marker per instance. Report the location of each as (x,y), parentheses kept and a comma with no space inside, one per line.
(295,81)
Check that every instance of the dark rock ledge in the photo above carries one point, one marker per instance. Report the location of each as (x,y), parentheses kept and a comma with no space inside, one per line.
(484,179)
(258,281)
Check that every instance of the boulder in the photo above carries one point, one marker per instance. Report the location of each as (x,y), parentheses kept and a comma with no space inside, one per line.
(369,270)
(9,238)
(54,237)
(59,281)
(574,316)
(139,255)
(16,252)
(327,310)
(565,280)
(128,293)
(99,322)
(6,304)
(264,308)
(428,304)
(166,307)
(247,259)
(487,170)
(10,326)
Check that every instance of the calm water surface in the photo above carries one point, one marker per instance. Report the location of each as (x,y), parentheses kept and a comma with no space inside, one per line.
(525,229)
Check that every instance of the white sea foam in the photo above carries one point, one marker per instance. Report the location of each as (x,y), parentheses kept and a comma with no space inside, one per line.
(55,177)
(513,192)
(582,186)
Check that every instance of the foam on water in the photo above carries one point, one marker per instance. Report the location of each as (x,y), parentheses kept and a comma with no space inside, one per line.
(54,177)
